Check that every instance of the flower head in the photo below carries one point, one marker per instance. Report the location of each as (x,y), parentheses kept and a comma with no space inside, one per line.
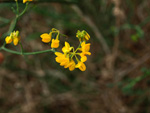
(14,37)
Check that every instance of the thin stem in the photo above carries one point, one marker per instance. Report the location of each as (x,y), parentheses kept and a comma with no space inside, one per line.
(21,47)
(17,6)
(57,35)
(27,53)
(77,58)
(23,10)
(64,35)
(78,47)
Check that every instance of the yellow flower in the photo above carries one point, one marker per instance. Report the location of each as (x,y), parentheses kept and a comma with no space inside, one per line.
(8,39)
(14,37)
(66,48)
(55,43)
(70,65)
(24,1)
(46,38)
(81,66)
(65,61)
(83,58)
(62,59)
(85,49)
(16,40)
(59,57)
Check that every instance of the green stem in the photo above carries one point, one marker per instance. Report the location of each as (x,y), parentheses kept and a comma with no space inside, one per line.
(77,58)
(78,47)
(27,53)
(21,47)
(23,11)
(64,35)
(17,7)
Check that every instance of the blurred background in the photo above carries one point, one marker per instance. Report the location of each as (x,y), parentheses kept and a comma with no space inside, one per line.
(117,76)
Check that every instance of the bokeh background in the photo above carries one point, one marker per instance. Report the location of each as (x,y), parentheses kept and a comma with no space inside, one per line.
(117,76)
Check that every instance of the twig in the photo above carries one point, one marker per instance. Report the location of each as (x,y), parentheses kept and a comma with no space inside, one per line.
(98,35)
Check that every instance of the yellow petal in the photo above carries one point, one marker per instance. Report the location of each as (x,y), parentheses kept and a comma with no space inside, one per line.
(88,53)
(83,44)
(67,45)
(8,40)
(46,38)
(64,62)
(66,48)
(58,54)
(59,59)
(55,43)
(15,41)
(85,47)
(87,36)
(81,66)
(69,64)
(72,66)
(83,59)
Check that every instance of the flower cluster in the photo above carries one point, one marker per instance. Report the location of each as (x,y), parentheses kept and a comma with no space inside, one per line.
(71,58)
(13,37)
(46,38)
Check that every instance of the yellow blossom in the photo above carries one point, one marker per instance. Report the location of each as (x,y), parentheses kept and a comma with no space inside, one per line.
(15,41)
(14,37)
(24,1)
(62,59)
(81,66)
(85,49)
(55,43)
(70,65)
(8,40)
(46,38)
(66,48)
(83,58)
(65,61)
